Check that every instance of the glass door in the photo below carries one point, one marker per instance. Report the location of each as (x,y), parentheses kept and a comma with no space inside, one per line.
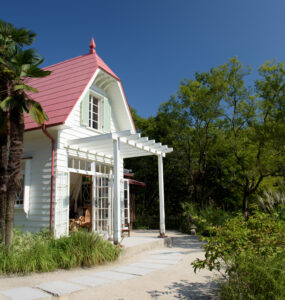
(103,211)
(126,208)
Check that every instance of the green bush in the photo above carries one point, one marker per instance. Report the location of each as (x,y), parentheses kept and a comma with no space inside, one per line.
(41,252)
(256,277)
(204,218)
(250,255)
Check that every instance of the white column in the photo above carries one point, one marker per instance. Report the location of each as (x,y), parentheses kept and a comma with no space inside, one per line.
(117,187)
(161,196)
(128,195)
(110,204)
(93,168)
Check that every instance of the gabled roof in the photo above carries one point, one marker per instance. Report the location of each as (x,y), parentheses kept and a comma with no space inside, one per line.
(59,92)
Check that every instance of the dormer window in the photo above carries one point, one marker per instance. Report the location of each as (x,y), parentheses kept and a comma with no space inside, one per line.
(95,112)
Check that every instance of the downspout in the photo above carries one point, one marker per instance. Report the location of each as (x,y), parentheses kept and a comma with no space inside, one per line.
(52,174)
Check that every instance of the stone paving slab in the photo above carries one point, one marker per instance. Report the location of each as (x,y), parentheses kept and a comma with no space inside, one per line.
(166,251)
(165,257)
(160,261)
(168,255)
(133,270)
(60,287)
(149,265)
(89,280)
(25,293)
(111,275)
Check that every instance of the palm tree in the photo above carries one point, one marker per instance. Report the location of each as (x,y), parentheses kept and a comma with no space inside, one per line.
(17,67)
(10,39)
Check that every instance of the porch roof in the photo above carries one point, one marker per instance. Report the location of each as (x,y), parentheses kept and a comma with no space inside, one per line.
(131,145)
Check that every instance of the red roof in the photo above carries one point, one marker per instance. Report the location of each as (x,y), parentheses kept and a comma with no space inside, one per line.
(59,92)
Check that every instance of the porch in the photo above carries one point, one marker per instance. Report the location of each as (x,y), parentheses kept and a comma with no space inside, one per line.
(115,147)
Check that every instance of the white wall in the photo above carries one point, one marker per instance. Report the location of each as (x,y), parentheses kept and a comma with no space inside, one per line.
(37,145)
(76,131)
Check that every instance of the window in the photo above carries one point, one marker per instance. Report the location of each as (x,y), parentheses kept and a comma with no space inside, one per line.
(77,163)
(103,168)
(94,112)
(85,165)
(23,192)
(126,208)
(21,189)
(102,203)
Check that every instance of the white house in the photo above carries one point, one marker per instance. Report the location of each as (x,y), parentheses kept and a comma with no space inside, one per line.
(75,160)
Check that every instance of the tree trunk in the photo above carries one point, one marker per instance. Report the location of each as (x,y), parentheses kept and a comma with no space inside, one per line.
(14,168)
(3,171)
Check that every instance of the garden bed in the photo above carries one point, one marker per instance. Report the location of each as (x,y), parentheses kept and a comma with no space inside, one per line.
(41,252)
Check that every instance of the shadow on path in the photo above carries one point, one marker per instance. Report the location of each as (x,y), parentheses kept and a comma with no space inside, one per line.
(187,242)
(187,290)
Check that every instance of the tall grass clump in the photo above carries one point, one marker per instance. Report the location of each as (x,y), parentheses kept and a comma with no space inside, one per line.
(41,252)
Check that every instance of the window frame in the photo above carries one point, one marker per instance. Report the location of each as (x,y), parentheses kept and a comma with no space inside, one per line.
(100,112)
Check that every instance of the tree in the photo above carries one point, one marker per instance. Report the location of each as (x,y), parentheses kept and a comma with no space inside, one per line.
(250,129)
(228,138)
(16,67)
(10,39)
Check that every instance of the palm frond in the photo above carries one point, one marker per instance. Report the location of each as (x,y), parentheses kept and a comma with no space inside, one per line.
(25,88)
(14,35)
(8,103)
(36,111)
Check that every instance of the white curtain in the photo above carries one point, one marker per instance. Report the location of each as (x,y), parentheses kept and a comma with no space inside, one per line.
(75,192)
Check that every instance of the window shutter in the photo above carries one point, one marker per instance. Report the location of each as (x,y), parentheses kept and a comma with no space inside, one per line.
(107,115)
(84,110)
(27,185)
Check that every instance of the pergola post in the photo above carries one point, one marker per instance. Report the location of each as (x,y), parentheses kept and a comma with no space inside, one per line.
(116,201)
(161,196)
(93,196)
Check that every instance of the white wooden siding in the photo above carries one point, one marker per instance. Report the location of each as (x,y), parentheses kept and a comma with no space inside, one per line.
(61,163)
(38,146)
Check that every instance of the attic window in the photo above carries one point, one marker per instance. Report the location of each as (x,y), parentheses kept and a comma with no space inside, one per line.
(94,112)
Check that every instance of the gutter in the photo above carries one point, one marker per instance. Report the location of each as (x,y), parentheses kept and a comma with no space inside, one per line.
(52,174)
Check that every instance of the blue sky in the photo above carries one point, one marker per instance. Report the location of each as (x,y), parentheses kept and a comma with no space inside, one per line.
(154,44)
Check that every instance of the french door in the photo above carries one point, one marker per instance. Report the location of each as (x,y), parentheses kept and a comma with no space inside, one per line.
(103,203)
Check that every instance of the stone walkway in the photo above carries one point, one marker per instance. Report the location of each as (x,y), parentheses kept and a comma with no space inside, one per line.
(122,280)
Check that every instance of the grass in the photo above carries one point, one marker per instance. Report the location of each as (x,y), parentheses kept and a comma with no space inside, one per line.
(41,252)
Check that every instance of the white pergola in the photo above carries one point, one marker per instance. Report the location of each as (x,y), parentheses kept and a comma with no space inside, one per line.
(120,145)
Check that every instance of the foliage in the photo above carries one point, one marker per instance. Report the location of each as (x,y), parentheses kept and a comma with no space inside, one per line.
(273,202)
(260,235)
(228,140)
(17,67)
(204,218)
(41,252)
(250,254)
(256,277)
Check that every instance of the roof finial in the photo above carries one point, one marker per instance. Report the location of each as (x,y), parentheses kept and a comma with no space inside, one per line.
(92,46)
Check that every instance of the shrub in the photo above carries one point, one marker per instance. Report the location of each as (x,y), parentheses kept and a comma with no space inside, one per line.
(261,235)
(204,219)
(41,252)
(250,255)
(256,277)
